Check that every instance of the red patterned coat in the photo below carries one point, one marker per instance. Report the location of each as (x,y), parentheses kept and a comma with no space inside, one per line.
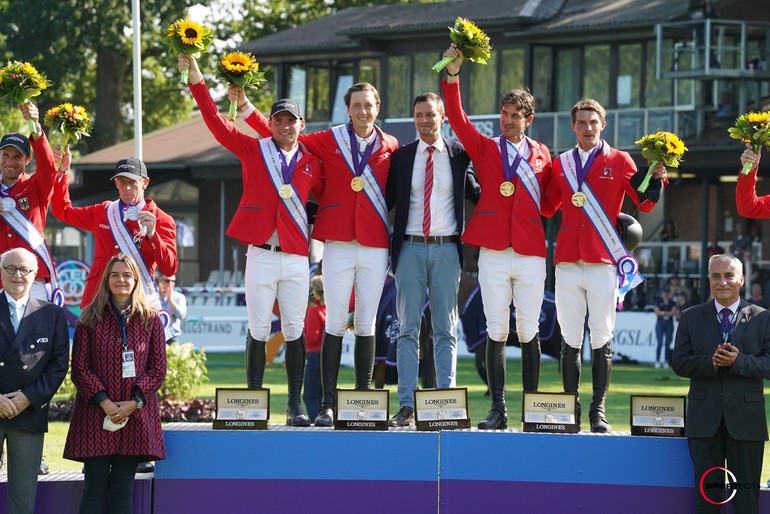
(96,367)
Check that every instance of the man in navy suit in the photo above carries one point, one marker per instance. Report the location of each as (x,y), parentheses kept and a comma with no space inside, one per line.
(428,183)
(34,353)
(723,347)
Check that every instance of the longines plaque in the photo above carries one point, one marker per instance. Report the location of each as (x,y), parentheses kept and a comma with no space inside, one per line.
(550,412)
(661,416)
(365,409)
(441,409)
(242,409)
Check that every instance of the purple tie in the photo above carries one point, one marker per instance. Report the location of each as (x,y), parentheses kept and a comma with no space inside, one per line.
(726,314)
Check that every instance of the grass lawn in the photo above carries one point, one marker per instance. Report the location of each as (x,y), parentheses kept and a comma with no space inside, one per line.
(226,370)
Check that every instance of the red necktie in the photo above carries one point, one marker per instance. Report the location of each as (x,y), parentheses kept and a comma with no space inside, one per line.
(428,191)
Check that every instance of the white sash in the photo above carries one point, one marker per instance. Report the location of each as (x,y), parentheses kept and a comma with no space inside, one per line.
(32,236)
(127,246)
(628,268)
(525,172)
(371,186)
(273,164)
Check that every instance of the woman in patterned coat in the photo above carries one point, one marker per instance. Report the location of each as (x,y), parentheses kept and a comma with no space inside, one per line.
(118,365)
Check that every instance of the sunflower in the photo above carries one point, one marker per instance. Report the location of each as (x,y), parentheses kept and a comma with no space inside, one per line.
(239,62)
(190,33)
(752,128)
(239,69)
(69,121)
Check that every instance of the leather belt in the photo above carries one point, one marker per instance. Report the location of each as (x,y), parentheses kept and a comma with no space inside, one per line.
(270,248)
(433,240)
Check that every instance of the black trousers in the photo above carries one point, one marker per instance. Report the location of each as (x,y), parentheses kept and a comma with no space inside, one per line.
(110,476)
(742,458)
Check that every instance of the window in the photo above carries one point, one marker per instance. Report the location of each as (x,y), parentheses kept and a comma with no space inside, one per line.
(398,102)
(542,78)
(482,97)
(567,84)
(629,75)
(423,78)
(596,79)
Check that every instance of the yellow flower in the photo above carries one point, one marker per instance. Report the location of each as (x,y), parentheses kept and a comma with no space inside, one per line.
(758,117)
(190,32)
(171,29)
(239,62)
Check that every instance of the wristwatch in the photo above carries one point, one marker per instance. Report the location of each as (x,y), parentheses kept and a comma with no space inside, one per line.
(139,402)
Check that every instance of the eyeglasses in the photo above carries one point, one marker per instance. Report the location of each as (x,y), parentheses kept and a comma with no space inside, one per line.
(23,271)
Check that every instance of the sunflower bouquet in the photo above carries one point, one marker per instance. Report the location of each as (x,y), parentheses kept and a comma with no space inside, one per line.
(69,121)
(471,40)
(20,81)
(239,69)
(664,147)
(753,128)
(188,37)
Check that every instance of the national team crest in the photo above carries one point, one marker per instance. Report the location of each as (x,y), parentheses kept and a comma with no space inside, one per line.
(24,203)
(607,173)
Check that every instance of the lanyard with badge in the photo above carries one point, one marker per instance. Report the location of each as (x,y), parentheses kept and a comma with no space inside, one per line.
(127,356)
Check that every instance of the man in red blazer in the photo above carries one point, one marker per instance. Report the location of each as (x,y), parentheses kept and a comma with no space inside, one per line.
(589,183)
(25,199)
(352,222)
(278,175)
(513,171)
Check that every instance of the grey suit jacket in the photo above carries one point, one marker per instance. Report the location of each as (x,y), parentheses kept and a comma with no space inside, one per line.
(34,360)
(736,393)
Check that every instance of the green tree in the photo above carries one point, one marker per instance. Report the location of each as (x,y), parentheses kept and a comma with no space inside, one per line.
(84,47)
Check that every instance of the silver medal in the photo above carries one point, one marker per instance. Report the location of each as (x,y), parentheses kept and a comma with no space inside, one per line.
(8,203)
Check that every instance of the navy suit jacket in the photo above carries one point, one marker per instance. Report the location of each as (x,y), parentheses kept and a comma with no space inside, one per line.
(34,360)
(399,190)
(735,393)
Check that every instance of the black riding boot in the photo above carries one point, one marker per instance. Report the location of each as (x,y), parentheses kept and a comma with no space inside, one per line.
(530,366)
(497,418)
(570,372)
(331,353)
(363,360)
(295,374)
(601,368)
(255,362)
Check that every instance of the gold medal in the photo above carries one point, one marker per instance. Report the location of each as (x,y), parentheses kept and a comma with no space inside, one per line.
(579,199)
(357,184)
(506,188)
(285,191)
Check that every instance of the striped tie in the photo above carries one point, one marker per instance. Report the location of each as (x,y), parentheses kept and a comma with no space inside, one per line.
(428,191)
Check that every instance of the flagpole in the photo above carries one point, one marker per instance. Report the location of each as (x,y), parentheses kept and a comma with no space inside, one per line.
(137,54)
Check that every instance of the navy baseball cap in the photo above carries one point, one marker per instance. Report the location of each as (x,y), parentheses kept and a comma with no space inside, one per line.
(16,140)
(287,105)
(131,168)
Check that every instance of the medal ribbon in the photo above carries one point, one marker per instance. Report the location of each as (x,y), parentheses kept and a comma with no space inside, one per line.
(628,269)
(287,170)
(26,230)
(274,161)
(371,186)
(523,169)
(583,170)
(360,162)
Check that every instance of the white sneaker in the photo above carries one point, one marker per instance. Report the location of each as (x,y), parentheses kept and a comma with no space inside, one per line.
(657,365)
(665,365)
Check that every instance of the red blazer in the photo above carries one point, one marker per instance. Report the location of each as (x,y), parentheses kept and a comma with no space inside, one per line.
(96,368)
(610,180)
(343,214)
(500,222)
(261,210)
(32,194)
(158,251)
(749,205)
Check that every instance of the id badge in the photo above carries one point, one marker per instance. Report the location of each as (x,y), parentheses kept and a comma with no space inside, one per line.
(129,369)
